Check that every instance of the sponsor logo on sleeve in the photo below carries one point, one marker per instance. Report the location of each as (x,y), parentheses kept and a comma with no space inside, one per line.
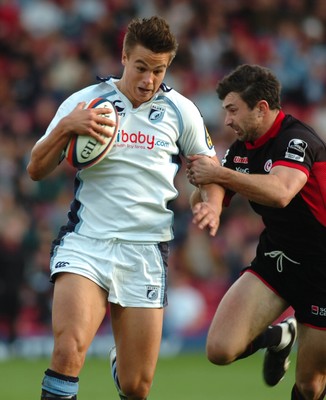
(296,150)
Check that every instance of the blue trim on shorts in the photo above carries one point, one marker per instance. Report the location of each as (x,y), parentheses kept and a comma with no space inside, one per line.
(164,250)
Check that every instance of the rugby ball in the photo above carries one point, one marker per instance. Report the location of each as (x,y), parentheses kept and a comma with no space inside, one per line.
(84,151)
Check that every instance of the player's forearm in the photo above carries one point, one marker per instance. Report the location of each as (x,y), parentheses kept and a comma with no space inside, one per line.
(195,197)
(46,154)
(212,194)
(263,189)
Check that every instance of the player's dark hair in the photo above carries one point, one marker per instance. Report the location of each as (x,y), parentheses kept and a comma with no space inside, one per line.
(152,33)
(253,83)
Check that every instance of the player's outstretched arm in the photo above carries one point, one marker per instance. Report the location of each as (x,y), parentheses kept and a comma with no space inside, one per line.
(206,204)
(275,189)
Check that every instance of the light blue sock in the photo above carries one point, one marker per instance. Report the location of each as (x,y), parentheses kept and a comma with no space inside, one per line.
(59,384)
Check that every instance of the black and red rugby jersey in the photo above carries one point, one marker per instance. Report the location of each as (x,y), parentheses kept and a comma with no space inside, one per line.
(300,228)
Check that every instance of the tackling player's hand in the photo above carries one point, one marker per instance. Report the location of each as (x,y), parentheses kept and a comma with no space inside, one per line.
(205,216)
(201,169)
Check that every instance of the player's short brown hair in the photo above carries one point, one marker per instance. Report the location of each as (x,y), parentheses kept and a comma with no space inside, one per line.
(152,33)
(253,83)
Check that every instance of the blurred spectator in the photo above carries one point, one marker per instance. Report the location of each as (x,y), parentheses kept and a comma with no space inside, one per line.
(13,226)
(41,17)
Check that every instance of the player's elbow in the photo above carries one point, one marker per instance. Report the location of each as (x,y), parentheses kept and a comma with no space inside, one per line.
(33,172)
(40,167)
(281,201)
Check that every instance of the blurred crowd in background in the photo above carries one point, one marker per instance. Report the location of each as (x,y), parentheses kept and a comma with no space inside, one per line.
(51,48)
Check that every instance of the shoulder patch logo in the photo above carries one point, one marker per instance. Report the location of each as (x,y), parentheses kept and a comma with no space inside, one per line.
(296,150)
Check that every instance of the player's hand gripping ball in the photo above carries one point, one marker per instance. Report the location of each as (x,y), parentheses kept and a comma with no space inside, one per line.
(84,151)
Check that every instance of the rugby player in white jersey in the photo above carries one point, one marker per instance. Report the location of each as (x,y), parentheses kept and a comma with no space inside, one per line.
(114,249)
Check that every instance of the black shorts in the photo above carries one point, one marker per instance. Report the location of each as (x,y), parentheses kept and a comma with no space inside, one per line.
(302,283)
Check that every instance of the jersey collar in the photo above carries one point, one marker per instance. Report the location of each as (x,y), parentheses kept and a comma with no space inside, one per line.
(272,132)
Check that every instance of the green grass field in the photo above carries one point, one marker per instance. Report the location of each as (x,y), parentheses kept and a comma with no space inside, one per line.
(187,376)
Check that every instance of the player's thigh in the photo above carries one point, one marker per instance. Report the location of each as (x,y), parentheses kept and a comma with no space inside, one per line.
(79,306)
(311,355)
(247,308)
(137,332)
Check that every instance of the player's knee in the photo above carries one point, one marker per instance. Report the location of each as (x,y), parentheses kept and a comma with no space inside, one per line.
(69,354)
(137,390)
(219,353)
(311,390)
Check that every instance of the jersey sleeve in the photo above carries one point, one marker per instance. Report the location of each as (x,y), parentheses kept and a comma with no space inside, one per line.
(298,148)
(194,137)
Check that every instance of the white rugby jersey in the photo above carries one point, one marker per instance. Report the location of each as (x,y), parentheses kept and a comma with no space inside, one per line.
(127,194)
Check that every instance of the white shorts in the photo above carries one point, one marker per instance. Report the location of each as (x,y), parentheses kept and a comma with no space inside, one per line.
(133,273)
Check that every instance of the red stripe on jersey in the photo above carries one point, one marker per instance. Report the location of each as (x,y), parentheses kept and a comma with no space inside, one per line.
(292,165)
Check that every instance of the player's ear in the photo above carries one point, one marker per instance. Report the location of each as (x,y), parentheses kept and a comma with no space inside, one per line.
(262,107)
(124,58)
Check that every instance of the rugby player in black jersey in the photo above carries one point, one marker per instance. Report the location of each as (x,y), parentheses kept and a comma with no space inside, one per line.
(279,164)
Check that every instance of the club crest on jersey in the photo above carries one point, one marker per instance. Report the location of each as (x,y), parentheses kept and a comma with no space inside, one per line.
(152,292)
(156,114)
(296,150)
(268,165)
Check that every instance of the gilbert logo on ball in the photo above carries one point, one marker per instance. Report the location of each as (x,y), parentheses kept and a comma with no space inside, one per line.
(84,151)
